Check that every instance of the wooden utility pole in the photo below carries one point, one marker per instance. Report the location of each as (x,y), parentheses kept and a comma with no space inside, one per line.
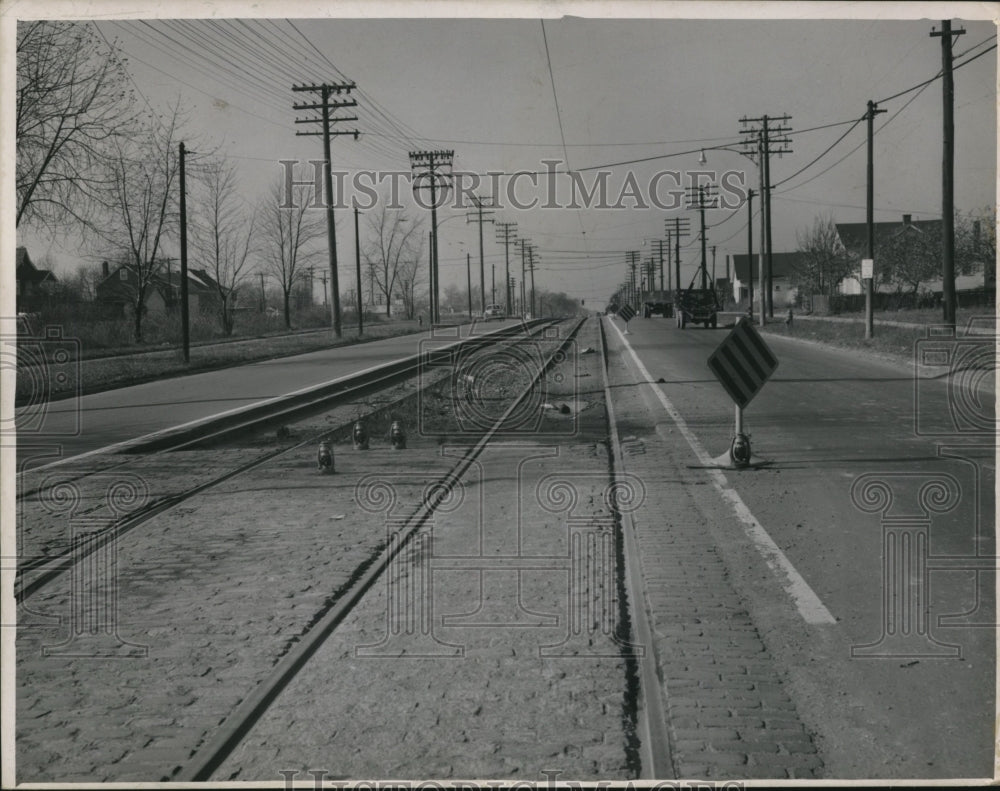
(948,171)
(477,216)
(750,245)
(870,219)
(431,284)
(703,197)
(357,266)
(531,266)
(185,329)
(681,227)
(431,166)
(506,232)
(468,280)
(325,91)
(632,257)
(765,146)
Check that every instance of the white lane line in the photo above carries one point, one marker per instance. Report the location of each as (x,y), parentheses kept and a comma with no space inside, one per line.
(806,601)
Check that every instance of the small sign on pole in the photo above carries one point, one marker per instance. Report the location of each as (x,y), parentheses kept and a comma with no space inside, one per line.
(627,314)
(867,268)
(742,363)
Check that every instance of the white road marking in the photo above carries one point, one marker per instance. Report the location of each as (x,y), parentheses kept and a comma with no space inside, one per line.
(806,601)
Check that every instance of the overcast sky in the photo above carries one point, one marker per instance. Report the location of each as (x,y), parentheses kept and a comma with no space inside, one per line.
(626,89)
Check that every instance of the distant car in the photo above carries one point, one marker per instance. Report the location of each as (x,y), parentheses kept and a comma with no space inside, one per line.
(492,312)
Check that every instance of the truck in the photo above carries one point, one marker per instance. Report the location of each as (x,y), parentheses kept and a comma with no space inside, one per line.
(660,302)
(697,306)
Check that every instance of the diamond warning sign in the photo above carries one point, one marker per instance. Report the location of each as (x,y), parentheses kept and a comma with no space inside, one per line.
(742,363)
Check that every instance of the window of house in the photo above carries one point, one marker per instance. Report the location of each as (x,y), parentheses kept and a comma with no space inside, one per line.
(777,288)
(123,274)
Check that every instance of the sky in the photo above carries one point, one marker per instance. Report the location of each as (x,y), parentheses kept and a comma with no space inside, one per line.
(509,94)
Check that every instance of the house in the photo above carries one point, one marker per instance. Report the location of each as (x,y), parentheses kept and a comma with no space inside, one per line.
(118,287)
(853,238)
(783,292)
(33,284)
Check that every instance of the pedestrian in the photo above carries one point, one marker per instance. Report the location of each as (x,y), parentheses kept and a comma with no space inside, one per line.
(788,319)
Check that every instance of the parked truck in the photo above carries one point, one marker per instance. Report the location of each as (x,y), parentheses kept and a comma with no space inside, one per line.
(660,302)
(697,306)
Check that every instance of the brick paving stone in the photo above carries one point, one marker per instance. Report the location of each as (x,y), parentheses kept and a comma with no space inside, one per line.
(725,703)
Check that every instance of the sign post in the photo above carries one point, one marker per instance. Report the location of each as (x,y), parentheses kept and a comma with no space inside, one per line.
(627,314)
(742,363)
(868,277)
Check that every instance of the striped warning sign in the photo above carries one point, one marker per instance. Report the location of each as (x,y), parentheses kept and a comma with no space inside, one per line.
(626,312)
(742,363)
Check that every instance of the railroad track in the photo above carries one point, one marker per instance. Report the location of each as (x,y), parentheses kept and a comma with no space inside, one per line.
(36,573)
(229,735)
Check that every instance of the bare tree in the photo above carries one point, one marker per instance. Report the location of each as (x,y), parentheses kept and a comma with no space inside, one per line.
(394,251)
(823,262)
(142,209)
(224,234)
(408,276)
(72,104)
(288,228)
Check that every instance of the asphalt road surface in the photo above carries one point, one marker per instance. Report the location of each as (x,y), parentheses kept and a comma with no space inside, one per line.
(869,552)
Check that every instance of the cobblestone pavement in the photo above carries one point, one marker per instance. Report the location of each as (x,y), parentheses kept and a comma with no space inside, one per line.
(202,600)
(729,713)
(506,666)
(194,607)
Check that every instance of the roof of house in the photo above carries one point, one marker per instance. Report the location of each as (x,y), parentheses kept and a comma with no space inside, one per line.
(28,272)
(198,278)
(854,235)
(782,265)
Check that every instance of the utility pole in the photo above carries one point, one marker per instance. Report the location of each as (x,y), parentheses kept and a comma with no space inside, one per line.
(750,245)
(766,145)
(357,266)
(681,227)
(432,166)
(632,257)
(659,252)
(506,232)
(326,301)
(325,105)
(531,268)
(870,218)
(523,244)
(431,285)
(703,197)
(948,170)
(263,299)
(477,216)
(468,280)
(185,330)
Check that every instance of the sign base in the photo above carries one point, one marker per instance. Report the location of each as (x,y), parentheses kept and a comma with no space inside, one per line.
(725,462)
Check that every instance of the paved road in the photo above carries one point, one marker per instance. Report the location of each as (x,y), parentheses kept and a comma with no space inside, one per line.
(890,694)
(102,419)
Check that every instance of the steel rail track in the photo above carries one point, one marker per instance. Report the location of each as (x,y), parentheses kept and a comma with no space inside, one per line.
(44,570)
(235,727)
(655,745)
(268,412)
